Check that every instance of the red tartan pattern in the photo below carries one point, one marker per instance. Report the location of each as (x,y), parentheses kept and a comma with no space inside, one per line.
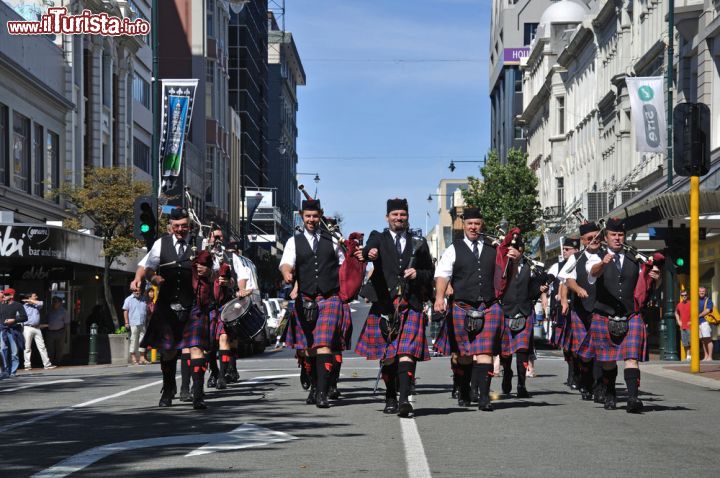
(326,331)
(632,345)
(196,330)
(346,327)
(581,345)
(514,341)
(164,331)
(410,341)
(454,338)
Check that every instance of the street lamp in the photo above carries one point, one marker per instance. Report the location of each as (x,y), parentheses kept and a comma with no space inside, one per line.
(452,167)
(316,178)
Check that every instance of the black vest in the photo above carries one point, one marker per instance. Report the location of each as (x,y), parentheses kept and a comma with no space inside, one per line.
(472,279)
(177,286)
(554,303)
(316,274)
(518,298)
(615,290)
(584,307)
(392,266)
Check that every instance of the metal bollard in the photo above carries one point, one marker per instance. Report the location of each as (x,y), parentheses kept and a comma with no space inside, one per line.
(92,359)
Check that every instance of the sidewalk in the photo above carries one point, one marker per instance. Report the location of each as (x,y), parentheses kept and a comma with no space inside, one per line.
(709,375)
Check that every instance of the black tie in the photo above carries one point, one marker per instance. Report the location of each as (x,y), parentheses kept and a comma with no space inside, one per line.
(181,247)
(315,243)
(616,258)
(398,246)
(476,251)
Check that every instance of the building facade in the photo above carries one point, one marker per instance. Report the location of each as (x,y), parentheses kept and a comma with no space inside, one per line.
(513,27)
(449,203)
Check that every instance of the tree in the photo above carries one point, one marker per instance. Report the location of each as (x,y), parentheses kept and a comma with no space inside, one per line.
(106,202)
(506,191)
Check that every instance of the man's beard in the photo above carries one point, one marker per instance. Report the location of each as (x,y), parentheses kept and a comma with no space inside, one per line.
(395,227)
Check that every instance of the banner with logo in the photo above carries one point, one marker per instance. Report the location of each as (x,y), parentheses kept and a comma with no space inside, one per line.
(647,108)
(177,104)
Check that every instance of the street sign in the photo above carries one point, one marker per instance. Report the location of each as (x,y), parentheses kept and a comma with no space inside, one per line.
(662,233)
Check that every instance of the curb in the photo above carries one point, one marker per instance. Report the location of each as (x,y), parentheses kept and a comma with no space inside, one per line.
(658,370)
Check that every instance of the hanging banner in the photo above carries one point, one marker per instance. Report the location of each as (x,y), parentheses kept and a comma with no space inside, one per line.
(647,108)
(177,104)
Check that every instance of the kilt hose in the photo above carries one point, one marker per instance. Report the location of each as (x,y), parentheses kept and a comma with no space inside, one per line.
(581,343)
(454,338)
(607,349)
(166,332)
(410,341)
(326,331)
(514,341)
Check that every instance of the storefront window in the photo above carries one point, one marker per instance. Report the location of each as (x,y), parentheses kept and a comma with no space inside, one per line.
(38,168)
(53,158)
(21,152)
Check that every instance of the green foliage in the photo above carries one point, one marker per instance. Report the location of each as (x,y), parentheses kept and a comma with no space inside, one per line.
(121,330)
(506,191)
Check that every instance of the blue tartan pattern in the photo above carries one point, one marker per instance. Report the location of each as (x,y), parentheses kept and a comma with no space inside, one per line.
(326,331)
(196,330)
(217,326)
(454,338)
(581,344)
(164,330)
(410,341)
(632,345)
(443,344)
(561,324)
(347,327)
(514,341)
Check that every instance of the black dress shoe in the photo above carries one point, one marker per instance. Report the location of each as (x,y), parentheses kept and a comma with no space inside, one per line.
(634,405)
(586,395)
(173,393)
(610,402)
(305,380)
(405,410)
(322,400)
(199,402)
(507,382)
(599,394)
(185,395)
(221,383)
(474,396)
(462,402)
(165,400)
(212,381)
(391,406)
(333,393)
(522,392)
(454,393)
(484,405)
(312,397)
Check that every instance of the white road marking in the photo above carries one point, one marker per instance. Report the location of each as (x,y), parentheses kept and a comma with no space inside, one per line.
(257,380)
(244,436)
(417,464)
(40,384)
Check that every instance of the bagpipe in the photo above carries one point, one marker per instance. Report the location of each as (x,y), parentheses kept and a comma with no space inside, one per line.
(352,270)
(512,239)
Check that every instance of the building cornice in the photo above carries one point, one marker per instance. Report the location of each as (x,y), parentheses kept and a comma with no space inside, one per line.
(580,38)
(40,87)
(538,100)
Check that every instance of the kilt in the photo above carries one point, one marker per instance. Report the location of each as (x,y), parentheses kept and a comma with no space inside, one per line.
(514,341)
(346,327)
(410,341)
(561,325)
(217,326)
(325,332)
(457,340)
(581,344)
(166,332)
(444,342)
(632,345)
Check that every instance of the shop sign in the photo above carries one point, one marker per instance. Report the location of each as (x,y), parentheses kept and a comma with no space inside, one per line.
(31,241)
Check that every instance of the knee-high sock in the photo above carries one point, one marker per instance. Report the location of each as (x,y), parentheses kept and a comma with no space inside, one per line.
(389,376)
(597,372)
(212,362)
(323,366)
(482,374)
(197,368)
(506,363)
(632,380)
(184,371)
(335,374)
(456,372)
(225,359)
(405,376)
(523,361)
(586,375)
(168,368)
(609,377)
(466,379)
(569,360)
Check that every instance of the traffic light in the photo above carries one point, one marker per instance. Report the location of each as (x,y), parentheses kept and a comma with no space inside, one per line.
(691,139)
(145,225)
(679,250)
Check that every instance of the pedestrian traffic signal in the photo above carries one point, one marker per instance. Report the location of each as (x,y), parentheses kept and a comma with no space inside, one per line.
(145,225)
(691,139)
(679,251)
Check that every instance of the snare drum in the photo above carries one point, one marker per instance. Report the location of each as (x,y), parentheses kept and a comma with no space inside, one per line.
(242,318)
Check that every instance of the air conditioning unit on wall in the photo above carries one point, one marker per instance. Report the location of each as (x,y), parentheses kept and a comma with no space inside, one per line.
(595,205)
(622,197)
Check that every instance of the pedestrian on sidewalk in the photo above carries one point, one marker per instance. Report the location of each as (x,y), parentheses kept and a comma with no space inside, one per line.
(32,332)
(682,317)
(12,315)
(58,325)
(135,314)
(706,308)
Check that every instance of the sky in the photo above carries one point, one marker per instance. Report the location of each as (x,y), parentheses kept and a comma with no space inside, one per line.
(395,90)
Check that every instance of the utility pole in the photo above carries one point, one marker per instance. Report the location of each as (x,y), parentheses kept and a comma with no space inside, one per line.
(157,114)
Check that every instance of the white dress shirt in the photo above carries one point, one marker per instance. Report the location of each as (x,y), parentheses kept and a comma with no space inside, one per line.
(403,238)
(595,259)
(152,258)
(289,256)
(447,261)
(566,273)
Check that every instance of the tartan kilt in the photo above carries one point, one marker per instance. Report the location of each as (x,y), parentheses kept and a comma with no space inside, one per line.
(565,336)
(581,345)
(444,342)
(561,323)
(410,341)
(197,330)
(217,326)
(164,330)
(346,327)
(487,342)
(512,342)
(325,332)
(631,347)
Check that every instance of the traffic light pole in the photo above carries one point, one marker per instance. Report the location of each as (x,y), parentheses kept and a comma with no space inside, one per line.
(694,274)
(155,36)
(668,325)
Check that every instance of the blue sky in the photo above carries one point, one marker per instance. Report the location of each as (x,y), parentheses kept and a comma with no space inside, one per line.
(380,117)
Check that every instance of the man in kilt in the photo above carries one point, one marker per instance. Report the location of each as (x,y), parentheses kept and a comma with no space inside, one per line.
(176,323)
(559,316)
(473,328)
(524,286)
(618,330)
(315,329)
(394,331)
(581,305)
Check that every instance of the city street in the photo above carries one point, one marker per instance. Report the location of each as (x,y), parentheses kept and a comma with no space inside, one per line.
(95,421)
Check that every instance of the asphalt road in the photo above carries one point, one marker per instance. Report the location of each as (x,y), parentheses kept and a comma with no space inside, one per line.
(97,421)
